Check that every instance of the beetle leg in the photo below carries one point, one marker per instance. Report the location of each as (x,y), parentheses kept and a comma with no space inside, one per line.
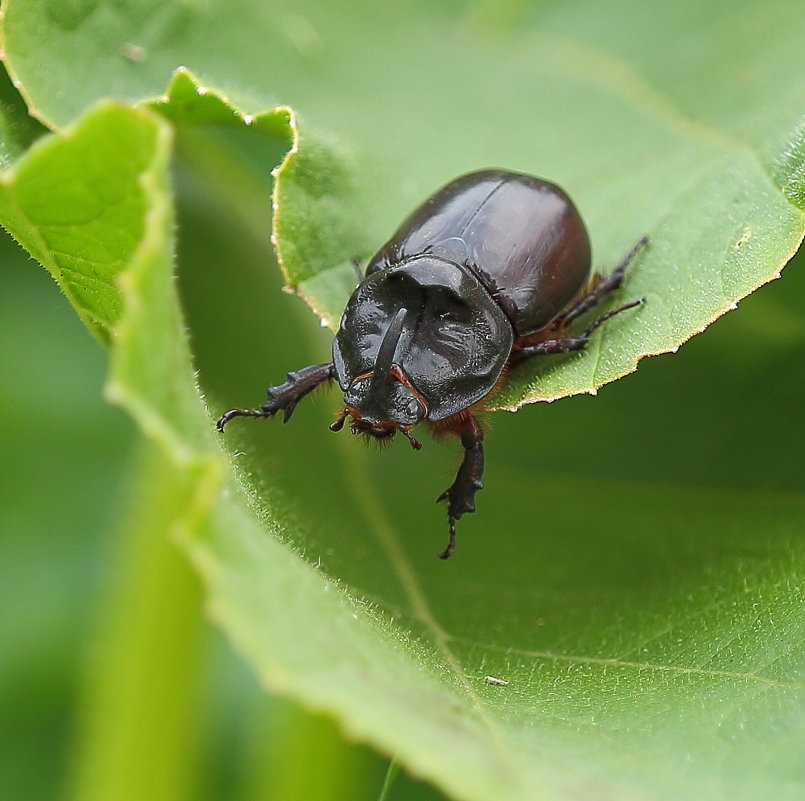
(460,495)
(569,344)
(284,397)
(602,288)
(356,263)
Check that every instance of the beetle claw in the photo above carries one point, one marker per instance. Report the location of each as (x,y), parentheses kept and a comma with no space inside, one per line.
(451,543)
(227,416)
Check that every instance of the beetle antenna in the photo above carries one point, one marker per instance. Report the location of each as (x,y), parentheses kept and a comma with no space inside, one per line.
(415,443)
(338,423)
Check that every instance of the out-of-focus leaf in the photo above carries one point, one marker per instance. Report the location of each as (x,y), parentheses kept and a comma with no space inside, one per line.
(651,636)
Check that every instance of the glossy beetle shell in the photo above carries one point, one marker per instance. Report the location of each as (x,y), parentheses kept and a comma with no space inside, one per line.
(455,339)
(521,236)
(492,256)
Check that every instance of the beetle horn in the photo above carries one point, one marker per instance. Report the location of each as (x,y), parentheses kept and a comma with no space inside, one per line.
(385,354)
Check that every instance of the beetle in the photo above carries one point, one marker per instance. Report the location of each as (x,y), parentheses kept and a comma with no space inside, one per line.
(491,270)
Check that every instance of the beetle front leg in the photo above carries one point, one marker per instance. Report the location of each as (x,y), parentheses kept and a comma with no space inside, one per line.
(284,397)
(460,496)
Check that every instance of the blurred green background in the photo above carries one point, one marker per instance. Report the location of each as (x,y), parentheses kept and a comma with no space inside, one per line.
(79,576)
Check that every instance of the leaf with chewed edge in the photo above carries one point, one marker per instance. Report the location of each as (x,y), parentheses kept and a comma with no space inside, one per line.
(650,636)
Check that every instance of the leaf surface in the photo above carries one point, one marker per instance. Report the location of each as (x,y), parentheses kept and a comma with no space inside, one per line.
(633,573)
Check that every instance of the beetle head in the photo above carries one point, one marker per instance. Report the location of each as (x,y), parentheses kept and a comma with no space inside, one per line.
(383,401)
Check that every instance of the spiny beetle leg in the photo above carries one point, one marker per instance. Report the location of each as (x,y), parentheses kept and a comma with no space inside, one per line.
(578,342)
(606,285)
(460,496)
(284,397)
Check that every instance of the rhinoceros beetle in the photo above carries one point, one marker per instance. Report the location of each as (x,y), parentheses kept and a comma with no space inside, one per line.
(491,270)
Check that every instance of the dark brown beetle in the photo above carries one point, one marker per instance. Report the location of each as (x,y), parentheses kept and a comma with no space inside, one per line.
(491,270)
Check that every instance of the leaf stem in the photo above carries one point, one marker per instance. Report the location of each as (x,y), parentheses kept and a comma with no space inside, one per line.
(137,738)
(388,781)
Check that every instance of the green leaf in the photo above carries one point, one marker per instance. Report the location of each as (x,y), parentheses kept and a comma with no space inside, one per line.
(17,129)
(634,570)
(571,96)
(80,212)
(152,607)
